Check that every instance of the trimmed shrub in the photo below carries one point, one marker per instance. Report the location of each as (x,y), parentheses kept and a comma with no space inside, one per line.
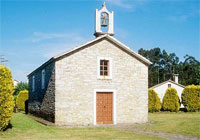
(191,98)
(6,97)
(171,100)
(21,98)
(154,103)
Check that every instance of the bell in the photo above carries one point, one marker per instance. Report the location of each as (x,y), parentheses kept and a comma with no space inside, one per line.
(104,18)
(104,24)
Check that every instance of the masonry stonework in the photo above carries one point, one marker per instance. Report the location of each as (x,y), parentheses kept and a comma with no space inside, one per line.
(72,81)
(42,101)
(76,79)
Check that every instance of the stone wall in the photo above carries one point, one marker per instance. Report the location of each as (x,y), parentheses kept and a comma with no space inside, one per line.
(76,80)
(42,101)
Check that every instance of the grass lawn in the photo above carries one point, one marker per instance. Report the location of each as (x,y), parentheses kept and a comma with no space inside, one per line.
(25,128)
(179,123)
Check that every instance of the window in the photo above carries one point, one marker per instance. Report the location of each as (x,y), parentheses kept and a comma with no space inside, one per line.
(104,68)
(169,85)
(33,83)
(43,78)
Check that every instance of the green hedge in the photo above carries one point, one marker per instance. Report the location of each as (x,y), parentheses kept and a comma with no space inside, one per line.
(21,98)
(154,104)
(191,98)
(171,100)
(6,97)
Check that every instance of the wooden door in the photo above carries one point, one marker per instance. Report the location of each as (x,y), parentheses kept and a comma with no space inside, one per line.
(104,107)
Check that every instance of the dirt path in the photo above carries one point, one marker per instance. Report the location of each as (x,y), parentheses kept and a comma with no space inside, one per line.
(131,128)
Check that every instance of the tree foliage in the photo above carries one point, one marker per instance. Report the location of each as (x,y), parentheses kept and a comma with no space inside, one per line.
(171,100)
(6,97)
(191,98)
(20,86)
(154,103)
(165,65)
(21,98)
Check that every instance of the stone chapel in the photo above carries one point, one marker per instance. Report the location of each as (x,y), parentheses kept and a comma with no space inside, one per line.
(100,82)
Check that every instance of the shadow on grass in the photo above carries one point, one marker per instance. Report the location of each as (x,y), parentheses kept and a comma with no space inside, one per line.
(8,127)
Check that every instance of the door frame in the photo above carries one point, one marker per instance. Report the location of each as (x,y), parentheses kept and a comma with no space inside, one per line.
(114,104)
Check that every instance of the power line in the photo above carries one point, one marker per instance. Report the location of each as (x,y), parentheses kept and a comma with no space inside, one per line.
(3,60)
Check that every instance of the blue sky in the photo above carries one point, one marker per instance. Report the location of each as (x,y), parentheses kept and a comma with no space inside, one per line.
(34,31)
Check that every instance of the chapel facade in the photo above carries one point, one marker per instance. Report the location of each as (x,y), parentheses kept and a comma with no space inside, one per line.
(100,82)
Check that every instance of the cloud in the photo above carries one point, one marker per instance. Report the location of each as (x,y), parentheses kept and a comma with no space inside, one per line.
(39,47)
(184,17)
(55,49)
(38,37)
(20,75)
(120,3)
(51,44)
(131,5)
(70,41)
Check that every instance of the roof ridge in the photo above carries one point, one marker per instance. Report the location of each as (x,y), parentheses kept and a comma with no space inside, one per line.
(114,40)
(159,84)
(78,46)
(109,37)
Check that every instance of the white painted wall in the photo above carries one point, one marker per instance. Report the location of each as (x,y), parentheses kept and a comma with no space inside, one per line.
(15,82)
(160,90)
(98,20)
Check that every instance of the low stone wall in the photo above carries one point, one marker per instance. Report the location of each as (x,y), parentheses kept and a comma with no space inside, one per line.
(35,108)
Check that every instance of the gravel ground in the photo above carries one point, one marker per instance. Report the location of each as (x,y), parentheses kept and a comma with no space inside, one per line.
(132,128)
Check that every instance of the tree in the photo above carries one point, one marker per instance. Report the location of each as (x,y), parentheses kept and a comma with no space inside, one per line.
(191,98)
(6,97)
(21,98)
(165,65)
(190,71)
(198,75)
(171,100)
(154,103)
(154,55)
(20,86)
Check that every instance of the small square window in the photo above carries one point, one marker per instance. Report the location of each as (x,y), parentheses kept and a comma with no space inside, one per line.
(104,67)
(169,85)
